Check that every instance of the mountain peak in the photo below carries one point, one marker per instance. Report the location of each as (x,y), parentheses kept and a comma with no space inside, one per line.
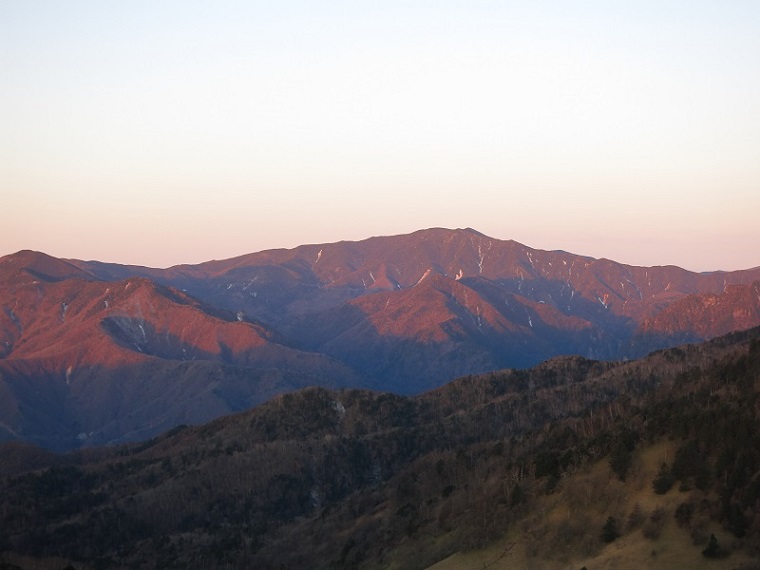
(443,232)
(471,231)
(41,266)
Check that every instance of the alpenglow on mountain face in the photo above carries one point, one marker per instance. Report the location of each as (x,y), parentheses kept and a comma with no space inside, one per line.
(92,352)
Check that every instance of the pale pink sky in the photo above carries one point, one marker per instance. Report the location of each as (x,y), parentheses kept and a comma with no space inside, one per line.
(177,132)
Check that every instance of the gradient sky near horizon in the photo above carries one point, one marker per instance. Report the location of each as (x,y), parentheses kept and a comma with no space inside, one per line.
(167,132)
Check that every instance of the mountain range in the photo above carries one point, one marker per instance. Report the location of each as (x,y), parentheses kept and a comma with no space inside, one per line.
(94,353)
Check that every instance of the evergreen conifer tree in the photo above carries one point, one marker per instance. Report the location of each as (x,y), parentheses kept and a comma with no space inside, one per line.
(609,530)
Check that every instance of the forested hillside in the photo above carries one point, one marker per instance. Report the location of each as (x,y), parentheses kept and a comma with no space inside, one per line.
(557,458)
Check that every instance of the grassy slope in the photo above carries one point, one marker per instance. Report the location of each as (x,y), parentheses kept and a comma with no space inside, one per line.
(536,541)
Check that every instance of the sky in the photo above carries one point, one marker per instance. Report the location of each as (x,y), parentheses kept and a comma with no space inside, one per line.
(166,132)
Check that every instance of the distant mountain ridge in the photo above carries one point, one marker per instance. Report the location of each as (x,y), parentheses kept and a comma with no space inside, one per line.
(402,313)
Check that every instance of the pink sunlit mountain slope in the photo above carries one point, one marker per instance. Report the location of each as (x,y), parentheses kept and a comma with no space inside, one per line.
(103,352)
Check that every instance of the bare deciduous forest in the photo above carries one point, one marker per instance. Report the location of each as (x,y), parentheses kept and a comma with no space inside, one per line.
(360,479)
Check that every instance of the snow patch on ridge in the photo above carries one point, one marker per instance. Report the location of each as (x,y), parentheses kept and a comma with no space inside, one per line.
(427,272)
(339,408)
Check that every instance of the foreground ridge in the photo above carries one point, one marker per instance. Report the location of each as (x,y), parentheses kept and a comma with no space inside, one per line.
(543,467)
